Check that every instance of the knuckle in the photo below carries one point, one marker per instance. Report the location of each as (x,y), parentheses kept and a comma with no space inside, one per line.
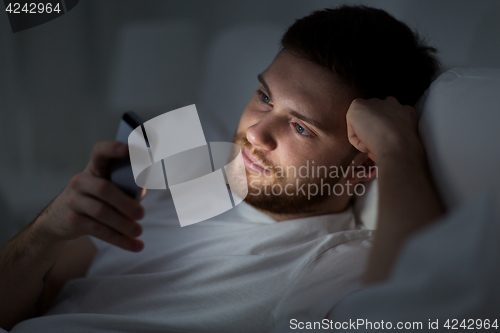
(75,181)
(101,188)
(73,221)
(95,149)
(71,200)
(98,211)
(358,101)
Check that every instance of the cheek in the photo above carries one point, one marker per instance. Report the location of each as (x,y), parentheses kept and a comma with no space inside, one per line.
(317,156)
(292,153)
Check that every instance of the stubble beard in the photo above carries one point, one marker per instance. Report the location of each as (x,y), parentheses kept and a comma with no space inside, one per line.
(260,187)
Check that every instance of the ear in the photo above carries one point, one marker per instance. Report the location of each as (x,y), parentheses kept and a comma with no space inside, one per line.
(361,169)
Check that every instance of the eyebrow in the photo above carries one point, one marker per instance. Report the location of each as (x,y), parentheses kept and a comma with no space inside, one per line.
(263,82)
(292,112)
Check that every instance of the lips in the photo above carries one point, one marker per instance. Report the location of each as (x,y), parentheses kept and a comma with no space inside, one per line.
(252,164)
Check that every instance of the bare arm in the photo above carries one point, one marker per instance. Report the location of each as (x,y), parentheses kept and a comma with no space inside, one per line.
(24,262)
(40,254)
(72,263)
(408,201)
(35,267)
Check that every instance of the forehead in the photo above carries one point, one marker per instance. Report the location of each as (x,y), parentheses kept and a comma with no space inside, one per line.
(300,85)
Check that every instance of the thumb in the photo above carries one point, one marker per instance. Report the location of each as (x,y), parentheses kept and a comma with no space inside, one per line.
(102,153)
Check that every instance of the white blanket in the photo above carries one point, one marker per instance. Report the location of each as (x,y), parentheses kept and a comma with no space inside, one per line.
(238,272)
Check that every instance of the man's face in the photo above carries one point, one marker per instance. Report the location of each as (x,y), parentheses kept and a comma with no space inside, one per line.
(295,119)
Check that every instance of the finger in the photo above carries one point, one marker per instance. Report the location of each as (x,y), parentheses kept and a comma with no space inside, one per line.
(102,153)
(392,99)
(143,193)
(351,135)
(355,141)
(111,236)
(109,193)
(104,214)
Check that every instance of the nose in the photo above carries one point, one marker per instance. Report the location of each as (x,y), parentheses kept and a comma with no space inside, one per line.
(262,134)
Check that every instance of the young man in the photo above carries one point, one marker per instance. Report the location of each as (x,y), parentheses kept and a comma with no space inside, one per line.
(333,97)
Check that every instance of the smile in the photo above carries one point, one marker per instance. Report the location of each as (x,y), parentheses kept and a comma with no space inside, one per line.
(252,164)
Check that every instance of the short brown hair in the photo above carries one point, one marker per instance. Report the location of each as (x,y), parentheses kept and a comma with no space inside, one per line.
(368,49)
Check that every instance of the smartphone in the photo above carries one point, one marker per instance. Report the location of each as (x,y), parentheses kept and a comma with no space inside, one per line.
(120,170)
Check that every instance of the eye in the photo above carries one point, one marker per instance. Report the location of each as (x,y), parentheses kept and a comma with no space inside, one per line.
(264,98)
(301,129)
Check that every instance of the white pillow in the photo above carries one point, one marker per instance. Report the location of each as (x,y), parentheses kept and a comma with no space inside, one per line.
(459,127)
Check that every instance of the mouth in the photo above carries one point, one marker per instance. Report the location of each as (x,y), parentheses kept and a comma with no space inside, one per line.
(252,164)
